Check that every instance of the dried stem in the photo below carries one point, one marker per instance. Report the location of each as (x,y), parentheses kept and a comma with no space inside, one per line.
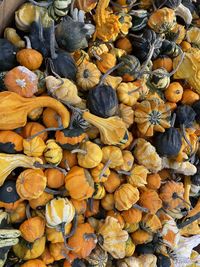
(41,4)
(185,137)
(177,67)
(62,228)
(173,120)
(52,41)
(175,196)
(110,71)
(134,90)
(89,236)
(44,131)
(74,227)
(104,168)
(49,166)
(78,150)
(28,211)
(28,42)
(124,172)
(136,206)
(55,192)
(66,165)
(189,221)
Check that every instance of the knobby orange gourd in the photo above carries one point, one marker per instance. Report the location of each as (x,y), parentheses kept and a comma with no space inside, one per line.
(15,108)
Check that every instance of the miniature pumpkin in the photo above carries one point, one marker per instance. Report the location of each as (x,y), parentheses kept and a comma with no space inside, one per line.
(160,79)
(59,210)
(88,76)
(127,114)
(40,201)
(99,192)
(185,46)
(21,81)
(68,160)
(146,155)
(58,251)
(50,118)
(132,215)
(56,235)
(125,44)
(86,243)
(11,35)
(29,178)
(138,176)
(53,152)
(34,147)
(129,66)
(171,194)
(163,62)
(128,93)
(79,205)
(162,20)
(100,173)
(32,128)
(92,208)
(34,263)
(32,229)
(130,247)
(189,97)
(114,238)
(19,214)
(108,202)
(98,257)
(102,101)
(29,58)
(141,237)
(10,142)
(150,223)
(46,256)
(112,183)
(153,181)
(126,196)
(92,157)
(174,92)
(55,178)
(113,154)
(79,183)
(128,161)
(152,116)
(106,62)
(154,205)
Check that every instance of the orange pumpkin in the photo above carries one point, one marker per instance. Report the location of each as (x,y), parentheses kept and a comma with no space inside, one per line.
(58,251)
(189,97)
(79,205)
(79,183)
(68,160)
(185,46)
(153,181)
(42,200)
(21,81)
(55,178)
(132,215)
(92,209)
(141,237)
(125,44)
(46,257)
(107,62)
(19,214)
(50,118)
(32,128)
(10,142)
(113,182)
(154,205)
(174,92)
(118,216)
(108,202)
(163,62)
(34,263)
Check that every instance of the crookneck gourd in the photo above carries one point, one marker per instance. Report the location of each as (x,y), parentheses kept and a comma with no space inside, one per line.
(14,109)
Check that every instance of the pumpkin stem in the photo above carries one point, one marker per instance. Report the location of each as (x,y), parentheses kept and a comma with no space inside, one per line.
(136,206)
(66,165)
(28,42)
(104,168)
(134,90)
(124,172)
(91,204)
(55,192)
(45,130)
(133,145)
(150,54)
(173,120)
(49,166)
(175,196)
(185,137)
(78,150)
(62,229)
(41,33)
(52,41)
(189,221)
(110,71)
(178,65)
(74,227)
(89,236)
(41,4)
(28,211)
(96,56)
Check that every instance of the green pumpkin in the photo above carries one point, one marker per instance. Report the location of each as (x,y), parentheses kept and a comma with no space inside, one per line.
(98,258)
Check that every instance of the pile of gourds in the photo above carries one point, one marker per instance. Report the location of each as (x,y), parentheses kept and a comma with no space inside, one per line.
(99,134)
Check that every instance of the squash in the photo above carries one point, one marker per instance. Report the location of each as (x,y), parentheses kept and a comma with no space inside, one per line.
(150,223)
(108,202)
(138,176)
(106,61)
(14,109)
(34,263)
(58,251)
(141,237)
(113,182)
(98,257)
(33,128)
(163,62)
(154,205)
(8,55)
(10,142)
(40,201)
(11,35)
(189,97)
(127,114)
(50,118)
(46,256)
(153,181)
(53,152)
(79,183)
(129,65)
(132,215)
(125,44)
(34,147)
(128,93)
(19,214)
(100,173)
(160,79)
(174,92)
(99,192)
(68,160)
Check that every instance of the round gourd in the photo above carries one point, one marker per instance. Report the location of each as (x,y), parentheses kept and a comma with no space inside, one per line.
(189,97)
(53,152)
(8,193)
(174,92)
(10,142)
(163,62)
(102,101)
(130,65)
(7,55)
(159,79)
(106,62)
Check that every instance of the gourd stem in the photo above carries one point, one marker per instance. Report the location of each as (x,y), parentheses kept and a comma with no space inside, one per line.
(66,165)
(74,226)
(89,236)
(44,131)
(161,4)
(133,145)
(49,166)
(96,56)
(151,51)
(136,206)
(175,196)
(28,42)
(185,137)
(134,90)
(41,4)
(62,227)
(104,168)
(28,211)
(41,33)
(173,120)
(72,7)
(110,71)
(124,172)
(78,150)
(91,204)
(189,221)
(52,42)
(55,192)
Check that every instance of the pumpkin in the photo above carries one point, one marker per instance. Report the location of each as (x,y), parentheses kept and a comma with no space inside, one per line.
(63,89)
(113,237)
(112,130)
(82,241)
(21,81)
(154,205)
(177,33)
(162,20)
(87,76)
(40,201)
(34,147)
(102,101)
(12,206)
(32,229)
(34,263)
(56,235)
(19,214)
(55,178)
(70,138)
(76,179)
(130,247)
(141,237)
(68,160)
(171,194)
(31,183)
(150,223)
(28,57)
(125,44)
(163,62)
(32,128)
(125,196)
(117,215)
(80,57)
(50,118)
(53,152)
(146,155)
(92,155)
(58,251)
(185,46)
(138,176)
(127,114)
(113,182)
(9,162)
(128,67)
(35,114)
(59,210)
(189,97)
(128,161)
(128,93)
(100,173)
(98,257)
(92,208)
(99,192)
(152,116)
(79,205)
(132,215)
(153,181)
(8,55)
(106,61)
(108,202)
(174,92)
(22,252)
(160,79)
(46,256)
(10,142)
(113,154)
(14,109)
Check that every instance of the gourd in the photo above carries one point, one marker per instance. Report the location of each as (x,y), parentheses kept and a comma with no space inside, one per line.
(11,35)
(8,55)
(98,257)
(53,152)
(32,263)
(8,193)
(128,93)
(174,92)
(106,62)
(128,67)
(154,205)
(159,79)
(14,109)
(34,147)
(10,142)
